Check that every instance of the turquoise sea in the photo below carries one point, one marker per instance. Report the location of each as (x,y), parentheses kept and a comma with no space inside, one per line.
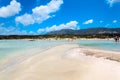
(16,47)
(110,45)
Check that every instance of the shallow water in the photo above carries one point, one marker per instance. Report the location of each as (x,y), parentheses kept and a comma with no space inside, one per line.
(110,45)
(16,47)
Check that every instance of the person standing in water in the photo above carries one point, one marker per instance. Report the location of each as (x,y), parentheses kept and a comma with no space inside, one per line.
(116,39)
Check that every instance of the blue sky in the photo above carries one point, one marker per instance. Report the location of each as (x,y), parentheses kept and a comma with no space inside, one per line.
(33,17)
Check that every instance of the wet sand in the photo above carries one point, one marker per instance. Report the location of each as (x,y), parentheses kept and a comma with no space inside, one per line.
(66,62)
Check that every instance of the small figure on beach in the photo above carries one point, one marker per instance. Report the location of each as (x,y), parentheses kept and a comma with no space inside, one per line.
(116,39)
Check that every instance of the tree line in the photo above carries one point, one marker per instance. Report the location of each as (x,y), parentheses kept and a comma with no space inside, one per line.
(57,36)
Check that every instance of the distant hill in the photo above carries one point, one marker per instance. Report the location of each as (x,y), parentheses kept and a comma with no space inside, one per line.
(69,33)
(90,31)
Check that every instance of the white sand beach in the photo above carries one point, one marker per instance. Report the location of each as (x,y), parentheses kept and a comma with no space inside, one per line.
(65,62)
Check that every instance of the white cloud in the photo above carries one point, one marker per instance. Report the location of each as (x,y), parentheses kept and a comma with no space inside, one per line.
(111,2)
(11,31)
(114,21)
(40,13)
(69,25)
(41,30)
(26,19)
(10,10)
(88,21)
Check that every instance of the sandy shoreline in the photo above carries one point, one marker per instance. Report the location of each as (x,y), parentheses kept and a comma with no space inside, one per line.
(67,62)
(110,55)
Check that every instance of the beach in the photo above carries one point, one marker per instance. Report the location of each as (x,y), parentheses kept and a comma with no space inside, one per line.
(59,39)
(66,62)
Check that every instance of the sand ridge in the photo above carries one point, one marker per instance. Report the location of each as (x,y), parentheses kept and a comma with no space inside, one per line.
(64,62)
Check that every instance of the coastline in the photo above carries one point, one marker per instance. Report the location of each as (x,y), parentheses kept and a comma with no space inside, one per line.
(30,39)
(110,55)
(66,62)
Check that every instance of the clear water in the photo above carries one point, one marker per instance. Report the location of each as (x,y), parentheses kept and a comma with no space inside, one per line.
(11,47)
(13,52)
(110,45)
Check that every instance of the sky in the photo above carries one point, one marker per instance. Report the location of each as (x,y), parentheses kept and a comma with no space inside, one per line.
(35,17)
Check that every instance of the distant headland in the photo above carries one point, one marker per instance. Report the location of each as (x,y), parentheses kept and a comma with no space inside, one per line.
(69,33)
